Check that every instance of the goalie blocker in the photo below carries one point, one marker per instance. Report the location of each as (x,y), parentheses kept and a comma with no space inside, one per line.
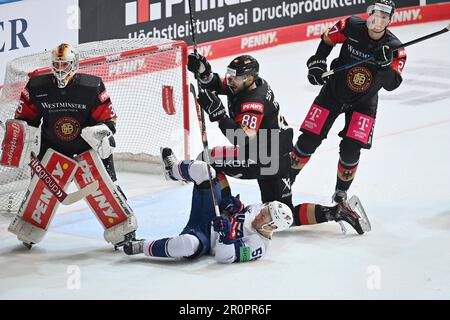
(108,204)
(19,141)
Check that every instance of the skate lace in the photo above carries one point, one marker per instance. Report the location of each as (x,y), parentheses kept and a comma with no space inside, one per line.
(346,214)
(170,160)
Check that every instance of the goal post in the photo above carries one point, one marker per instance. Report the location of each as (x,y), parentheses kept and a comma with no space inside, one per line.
(146,80)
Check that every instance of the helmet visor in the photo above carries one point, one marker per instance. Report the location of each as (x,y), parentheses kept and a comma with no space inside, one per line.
(378,20)
(233,79)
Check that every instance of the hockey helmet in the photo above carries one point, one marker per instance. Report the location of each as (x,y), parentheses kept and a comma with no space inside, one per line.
(386,6)
(64,63)
(380,15)
(244,65)
(281,215)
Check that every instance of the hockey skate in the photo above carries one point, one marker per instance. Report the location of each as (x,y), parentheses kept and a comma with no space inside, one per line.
(168,160)
(339,196)
(134,247)
(129,237)
(354,214)
(28,245)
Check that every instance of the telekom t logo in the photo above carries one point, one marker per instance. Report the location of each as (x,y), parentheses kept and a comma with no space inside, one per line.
(315,113)
(141,11)
(363,123)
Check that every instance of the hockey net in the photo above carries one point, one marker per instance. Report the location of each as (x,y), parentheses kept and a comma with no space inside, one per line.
(147,82)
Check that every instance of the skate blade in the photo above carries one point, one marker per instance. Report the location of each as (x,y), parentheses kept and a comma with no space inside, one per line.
(356,205)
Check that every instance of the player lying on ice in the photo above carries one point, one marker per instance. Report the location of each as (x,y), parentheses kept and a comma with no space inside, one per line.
(241,233)
(77,123)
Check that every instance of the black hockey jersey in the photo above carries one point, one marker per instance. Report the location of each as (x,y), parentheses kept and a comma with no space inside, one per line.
(65,112)
(257,110)
(361,83)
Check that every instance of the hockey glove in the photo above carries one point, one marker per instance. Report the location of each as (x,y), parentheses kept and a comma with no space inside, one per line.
(316,67)
(212,105)
(198,65)
(222,226)
(231,205)
(100,138)
(383,56)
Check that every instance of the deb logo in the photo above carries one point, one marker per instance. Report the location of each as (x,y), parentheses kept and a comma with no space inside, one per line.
(14,32)
(141,11)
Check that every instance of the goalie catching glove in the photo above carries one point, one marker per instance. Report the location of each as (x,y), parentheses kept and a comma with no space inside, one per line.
(100,138)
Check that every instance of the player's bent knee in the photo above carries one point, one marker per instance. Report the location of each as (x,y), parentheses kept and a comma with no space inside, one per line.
(198,171)
(203,243)
(307,143)
(185,245)
(350,151)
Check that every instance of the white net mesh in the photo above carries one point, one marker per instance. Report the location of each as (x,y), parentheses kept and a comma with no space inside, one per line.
(134,72)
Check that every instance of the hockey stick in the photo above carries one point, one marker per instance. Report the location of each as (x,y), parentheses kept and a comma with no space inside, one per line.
(404,45)
(201,122)
(201,118)
(53,186)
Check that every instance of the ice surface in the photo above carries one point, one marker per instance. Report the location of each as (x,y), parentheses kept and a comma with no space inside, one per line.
(403,182)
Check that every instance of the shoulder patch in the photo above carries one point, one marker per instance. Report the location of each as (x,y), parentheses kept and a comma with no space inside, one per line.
(26,94)
(401,53)
(252,106)
(244,254)
(103,96)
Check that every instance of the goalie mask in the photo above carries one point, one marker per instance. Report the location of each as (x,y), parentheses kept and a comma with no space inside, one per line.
(64,64)
(380,15)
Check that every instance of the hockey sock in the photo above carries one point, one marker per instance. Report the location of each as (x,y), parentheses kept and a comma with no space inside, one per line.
(157,248)
(298,161)
(345,174)
(180,171)
(309,213)
(184,245)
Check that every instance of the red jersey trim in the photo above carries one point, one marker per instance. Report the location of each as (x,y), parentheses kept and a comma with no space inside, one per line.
(103,112)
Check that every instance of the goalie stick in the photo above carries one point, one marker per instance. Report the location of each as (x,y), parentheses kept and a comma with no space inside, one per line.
(404,45)
(63,197)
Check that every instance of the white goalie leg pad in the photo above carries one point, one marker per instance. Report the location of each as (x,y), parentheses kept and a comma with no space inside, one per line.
(107,203)
(116,234)
(19,141)
(39,205)
(25,231)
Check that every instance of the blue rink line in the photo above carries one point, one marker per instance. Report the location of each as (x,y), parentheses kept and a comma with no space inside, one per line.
(160,214)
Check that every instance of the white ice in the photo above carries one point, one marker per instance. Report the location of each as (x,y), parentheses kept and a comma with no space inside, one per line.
(403,182)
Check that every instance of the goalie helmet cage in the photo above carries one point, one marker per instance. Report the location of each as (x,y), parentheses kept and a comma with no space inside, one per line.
(147,82)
